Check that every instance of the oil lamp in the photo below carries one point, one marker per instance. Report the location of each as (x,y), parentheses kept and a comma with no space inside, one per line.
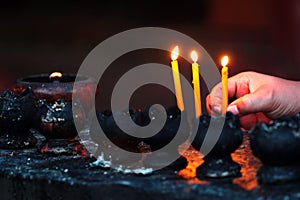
(218,162)
(59,86)
(54,115)
(277,145)
(141,145)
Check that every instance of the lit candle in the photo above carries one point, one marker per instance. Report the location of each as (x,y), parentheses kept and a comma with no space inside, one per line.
(224,63)
(196,83)
(176,77)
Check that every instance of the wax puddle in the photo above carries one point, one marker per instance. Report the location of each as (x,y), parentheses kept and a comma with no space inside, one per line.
(135,168)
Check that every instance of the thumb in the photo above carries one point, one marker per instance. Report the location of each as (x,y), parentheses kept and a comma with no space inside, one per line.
(250,103)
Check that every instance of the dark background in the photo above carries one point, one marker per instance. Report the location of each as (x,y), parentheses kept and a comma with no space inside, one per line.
(46,36)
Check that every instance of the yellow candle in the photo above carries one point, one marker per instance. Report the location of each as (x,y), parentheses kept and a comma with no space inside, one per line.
(224,63)
(196,83)
(176,77)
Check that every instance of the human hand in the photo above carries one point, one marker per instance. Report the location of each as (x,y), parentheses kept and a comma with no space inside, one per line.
(258,97)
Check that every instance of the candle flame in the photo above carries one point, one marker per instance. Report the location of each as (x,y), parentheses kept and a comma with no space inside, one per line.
(194,56)
(175,53)
(224,61)
(55,75)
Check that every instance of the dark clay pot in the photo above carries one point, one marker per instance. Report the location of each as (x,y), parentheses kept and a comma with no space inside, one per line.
(277,143)
(218,162)
(141,118)
(16,118)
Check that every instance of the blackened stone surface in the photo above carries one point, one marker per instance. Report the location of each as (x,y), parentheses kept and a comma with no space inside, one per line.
(159,161)
(278,174)
(61,147)
(219,168)
(26,174)
(9,140)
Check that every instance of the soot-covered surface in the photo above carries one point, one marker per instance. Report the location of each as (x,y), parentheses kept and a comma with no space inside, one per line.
(26,174)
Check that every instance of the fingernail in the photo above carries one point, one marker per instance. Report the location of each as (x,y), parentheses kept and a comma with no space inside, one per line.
(216,109)
(233,109)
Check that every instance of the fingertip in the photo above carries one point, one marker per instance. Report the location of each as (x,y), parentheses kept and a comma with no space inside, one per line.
(216,109)
(233,109)
(208,104)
